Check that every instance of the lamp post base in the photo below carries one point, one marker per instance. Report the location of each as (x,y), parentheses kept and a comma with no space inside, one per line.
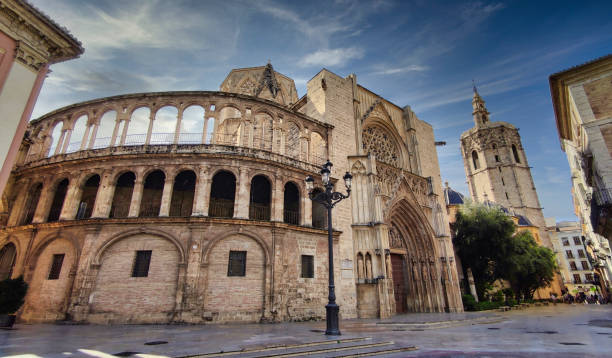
(332,310)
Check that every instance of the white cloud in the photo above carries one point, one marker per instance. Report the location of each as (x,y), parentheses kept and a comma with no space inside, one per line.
(332,57)
(397,70)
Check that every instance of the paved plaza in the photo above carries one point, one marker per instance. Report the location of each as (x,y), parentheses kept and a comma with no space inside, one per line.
(553,331)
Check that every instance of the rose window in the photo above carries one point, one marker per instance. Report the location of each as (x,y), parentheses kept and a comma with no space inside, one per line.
(376,141)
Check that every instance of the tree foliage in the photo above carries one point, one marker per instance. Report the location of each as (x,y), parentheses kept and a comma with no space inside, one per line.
(12,294)
(486,242)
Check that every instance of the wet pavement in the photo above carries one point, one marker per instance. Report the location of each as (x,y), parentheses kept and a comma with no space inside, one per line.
(552,331)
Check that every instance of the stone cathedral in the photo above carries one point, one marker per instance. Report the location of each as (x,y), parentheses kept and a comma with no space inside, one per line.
(497,171)
(191,206)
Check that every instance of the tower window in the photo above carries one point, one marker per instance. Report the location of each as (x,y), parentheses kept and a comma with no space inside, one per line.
(497,158)
(503,183)
(515,152)
(141,263)
(499,169)
(237,263)
(507,196)
(475,159)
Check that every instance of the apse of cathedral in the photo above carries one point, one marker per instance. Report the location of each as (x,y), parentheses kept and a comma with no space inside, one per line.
(191,206)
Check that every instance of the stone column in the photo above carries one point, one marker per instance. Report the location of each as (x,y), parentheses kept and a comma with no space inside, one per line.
(177,130)
(85,139)
(278,200)
(205,130)
(307,212)
(72,199)
(60,143)
(136,197)
(150,129)
(67,136)
(92,139)
(104,197)
(241,203)
(164,210)
(42,209)
(126,125)
(202,193)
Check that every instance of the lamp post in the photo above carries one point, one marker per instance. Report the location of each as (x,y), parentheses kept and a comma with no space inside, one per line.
(329,199)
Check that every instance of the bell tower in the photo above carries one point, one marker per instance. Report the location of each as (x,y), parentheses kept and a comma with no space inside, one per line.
(496,165)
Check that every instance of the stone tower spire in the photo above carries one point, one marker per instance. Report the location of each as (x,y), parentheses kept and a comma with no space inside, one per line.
(480,113)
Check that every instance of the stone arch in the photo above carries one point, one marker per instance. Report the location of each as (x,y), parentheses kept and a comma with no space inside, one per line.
(236,297)
(127,234)
(48,297)
(145,298)
(8,258)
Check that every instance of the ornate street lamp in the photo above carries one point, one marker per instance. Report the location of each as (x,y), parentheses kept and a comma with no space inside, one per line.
(329,199)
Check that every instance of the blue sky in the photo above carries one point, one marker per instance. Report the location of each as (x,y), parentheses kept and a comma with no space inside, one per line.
(418,53)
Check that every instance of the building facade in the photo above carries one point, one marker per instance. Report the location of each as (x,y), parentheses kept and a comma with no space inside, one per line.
(191,206)
(582,100)
(497,171)
(573,258)
(29,43)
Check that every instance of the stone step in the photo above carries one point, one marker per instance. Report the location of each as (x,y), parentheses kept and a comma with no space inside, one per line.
(387,351)
(270,348)
(325,350)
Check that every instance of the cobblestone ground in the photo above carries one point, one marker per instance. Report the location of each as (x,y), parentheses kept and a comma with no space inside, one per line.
(553,331)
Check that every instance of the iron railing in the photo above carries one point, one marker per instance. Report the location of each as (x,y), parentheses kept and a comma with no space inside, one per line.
(221,208)
(291,217)
(259,211)
(119,211)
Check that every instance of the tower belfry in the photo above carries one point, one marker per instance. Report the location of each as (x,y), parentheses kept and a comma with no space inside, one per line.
(480,113)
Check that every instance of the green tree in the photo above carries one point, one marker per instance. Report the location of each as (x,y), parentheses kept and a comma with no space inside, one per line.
(483,239)
(528,266)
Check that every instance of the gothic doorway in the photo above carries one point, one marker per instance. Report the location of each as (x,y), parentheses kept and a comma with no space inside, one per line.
(399,282)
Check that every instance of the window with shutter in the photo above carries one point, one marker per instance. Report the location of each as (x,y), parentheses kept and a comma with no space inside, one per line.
(237,263)
(142,260)
(56,267)
(307,266)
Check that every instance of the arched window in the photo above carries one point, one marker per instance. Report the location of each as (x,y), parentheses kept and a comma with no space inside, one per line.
(58,201)
(222,195)
(153,189)
(516,155)
(104,134)
(164,125)
(122,198)
(259,205)
(137,127)
(381,144)
(55,137)
(182,194)
(88,198)
(292,142)
(78,132)
(318,149)
(262,131)
(192,125)
(319,212)
(475,159)
(291,204)
(31,204)
(7,260)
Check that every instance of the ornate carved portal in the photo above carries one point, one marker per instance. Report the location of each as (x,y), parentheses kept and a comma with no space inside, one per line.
(414,267)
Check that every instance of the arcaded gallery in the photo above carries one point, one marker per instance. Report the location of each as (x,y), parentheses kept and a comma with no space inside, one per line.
(192,207)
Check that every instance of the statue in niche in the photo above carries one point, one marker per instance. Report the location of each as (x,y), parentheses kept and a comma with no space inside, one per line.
(395,241)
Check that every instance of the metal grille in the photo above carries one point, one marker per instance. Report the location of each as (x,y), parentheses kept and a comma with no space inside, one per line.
(141,263)
(292,217)
(307,266)
(237,263)
(56,266)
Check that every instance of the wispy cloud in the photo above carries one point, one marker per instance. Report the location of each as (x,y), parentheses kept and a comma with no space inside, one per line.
(398,70)
(332,57)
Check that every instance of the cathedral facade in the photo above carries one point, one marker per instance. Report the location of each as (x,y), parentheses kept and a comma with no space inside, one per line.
(191,206)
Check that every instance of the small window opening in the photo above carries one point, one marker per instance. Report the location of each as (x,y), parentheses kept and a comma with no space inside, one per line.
(507,196)
(237,263)
(475,159)
(499,168)
(515,152)
(497,158)
(141,263)
(307,266)
(503,183)
(56,267)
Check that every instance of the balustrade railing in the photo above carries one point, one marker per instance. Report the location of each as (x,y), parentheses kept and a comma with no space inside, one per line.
(119,211)
(135,139)
(183,208)
(291,217)
(221,208)
(190,138)
(161,138)
(149,210)
(259,212)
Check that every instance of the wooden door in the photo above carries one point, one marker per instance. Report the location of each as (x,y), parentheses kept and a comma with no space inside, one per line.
(399,282)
